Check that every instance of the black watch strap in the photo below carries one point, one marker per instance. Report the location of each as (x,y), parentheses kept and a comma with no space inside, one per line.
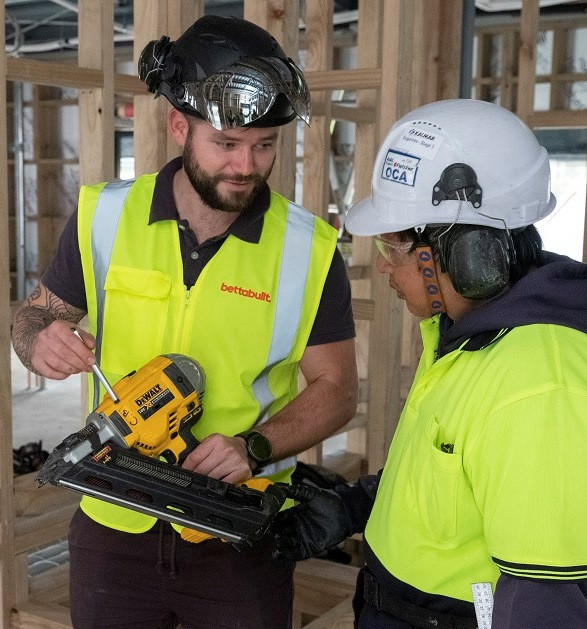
(258,447)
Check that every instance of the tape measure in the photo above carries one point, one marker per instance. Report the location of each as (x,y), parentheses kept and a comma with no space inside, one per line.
(483,601)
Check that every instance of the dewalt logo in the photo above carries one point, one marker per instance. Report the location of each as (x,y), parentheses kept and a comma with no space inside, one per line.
(148,395)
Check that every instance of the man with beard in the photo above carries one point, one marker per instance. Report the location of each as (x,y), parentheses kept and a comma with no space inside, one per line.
(205,260)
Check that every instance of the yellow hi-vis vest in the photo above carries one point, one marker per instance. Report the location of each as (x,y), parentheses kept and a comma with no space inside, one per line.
(246,320)
(483,473)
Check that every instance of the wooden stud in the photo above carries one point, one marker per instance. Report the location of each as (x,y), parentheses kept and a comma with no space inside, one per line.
(527,58)
(21,580)
(484,47)
(316,158)
(61,75)
(181,14)
(150,114)
(385,329)
(349,113)
(316,192)
(313,455)
(51,73)
(7,560)
(558,96)
(449,48)
(366,135)
(423,91)
(280,18)
(96,105)
(564,119)
(366,145)
(436,51)
(435,75)
(361,79)
(509,72)
(129,85)
(41,136)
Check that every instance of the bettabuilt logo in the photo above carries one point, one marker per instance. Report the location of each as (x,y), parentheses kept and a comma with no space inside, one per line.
(245,292)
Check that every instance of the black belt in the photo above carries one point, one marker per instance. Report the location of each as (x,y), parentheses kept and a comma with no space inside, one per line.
(386,601)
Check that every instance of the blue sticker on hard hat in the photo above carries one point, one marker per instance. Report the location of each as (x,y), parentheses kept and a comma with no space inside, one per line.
(400,168)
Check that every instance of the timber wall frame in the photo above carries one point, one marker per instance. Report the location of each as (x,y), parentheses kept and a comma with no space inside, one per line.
(408,54)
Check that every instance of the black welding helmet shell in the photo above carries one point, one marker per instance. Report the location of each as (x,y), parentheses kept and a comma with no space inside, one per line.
(229,72)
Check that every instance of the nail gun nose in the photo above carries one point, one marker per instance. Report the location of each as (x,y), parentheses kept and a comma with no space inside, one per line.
(100,374)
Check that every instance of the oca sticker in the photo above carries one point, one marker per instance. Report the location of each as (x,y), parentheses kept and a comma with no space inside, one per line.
(400,167)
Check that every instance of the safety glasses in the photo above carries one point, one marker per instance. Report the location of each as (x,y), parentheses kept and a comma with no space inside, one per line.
(247,90)
(394,251)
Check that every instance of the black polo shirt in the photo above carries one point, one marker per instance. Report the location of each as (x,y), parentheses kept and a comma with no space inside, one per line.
(64,276)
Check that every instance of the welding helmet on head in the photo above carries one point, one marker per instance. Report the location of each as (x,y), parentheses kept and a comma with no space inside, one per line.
(229,72)
(456,161)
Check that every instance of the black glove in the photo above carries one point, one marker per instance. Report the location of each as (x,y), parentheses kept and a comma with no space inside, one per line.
(319,522)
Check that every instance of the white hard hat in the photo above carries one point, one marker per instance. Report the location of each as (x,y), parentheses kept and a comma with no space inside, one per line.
(463,161)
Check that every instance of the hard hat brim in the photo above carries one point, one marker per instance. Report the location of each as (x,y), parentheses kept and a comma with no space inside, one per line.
(363,220)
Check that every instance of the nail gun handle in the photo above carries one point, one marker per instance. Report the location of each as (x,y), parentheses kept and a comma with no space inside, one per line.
(185,432)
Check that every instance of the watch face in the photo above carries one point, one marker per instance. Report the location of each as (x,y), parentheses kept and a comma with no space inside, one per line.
(259,447)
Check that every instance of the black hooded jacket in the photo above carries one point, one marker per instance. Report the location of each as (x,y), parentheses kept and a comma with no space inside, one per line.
(555,292)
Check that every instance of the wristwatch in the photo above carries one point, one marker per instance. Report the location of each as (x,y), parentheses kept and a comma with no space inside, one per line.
(258,447)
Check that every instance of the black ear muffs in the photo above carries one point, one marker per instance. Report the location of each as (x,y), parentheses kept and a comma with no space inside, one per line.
(477,259)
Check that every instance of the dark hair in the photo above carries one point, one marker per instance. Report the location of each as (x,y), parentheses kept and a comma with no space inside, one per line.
(527,245)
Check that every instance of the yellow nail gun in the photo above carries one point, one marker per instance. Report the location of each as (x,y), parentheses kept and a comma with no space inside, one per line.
(128,451)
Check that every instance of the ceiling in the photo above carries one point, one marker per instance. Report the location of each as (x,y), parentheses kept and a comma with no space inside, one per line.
(37,27)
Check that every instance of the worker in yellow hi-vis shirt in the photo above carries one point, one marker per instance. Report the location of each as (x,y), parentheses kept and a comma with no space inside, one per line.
(479,517)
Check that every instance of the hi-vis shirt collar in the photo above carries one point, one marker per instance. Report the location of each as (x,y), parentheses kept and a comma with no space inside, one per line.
(248,225)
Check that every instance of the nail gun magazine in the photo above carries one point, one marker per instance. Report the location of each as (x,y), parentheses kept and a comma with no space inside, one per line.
(131,449)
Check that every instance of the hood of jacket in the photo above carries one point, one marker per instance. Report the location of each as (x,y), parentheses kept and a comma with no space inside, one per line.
(554,292)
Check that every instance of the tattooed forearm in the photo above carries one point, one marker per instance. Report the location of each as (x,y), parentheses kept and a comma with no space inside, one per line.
(28,322)
(37,312)
(43,299)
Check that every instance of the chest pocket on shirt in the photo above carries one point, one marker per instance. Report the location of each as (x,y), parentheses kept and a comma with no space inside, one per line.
(135,313)
(434,484)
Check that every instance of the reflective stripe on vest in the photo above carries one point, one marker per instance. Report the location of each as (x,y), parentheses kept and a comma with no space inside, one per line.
(104,226)
(296,256)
